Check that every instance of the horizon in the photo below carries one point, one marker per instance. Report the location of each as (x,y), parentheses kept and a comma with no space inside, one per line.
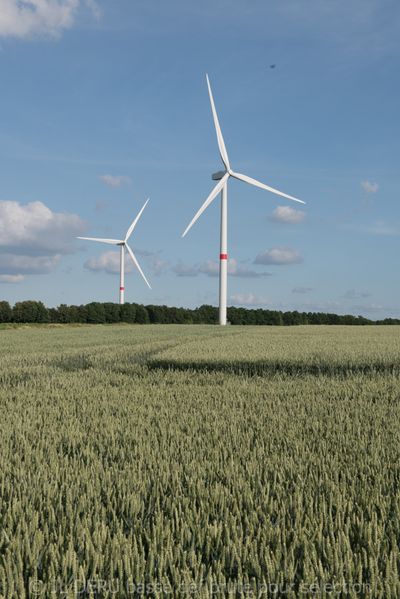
(23,304)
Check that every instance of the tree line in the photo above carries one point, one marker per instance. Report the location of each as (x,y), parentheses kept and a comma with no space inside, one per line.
(31,311)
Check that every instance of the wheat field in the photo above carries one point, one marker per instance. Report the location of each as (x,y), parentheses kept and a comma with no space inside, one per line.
(153,461)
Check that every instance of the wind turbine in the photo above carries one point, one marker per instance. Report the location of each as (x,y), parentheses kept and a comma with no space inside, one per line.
(222,186)
(123,243)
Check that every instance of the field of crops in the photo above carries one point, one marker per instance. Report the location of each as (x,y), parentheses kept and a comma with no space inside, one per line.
(196,461)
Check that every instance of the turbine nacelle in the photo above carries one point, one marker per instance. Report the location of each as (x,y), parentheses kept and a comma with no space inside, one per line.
(218,175)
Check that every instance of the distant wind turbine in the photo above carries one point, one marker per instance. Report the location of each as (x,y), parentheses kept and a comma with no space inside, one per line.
(222,178)
(123,243)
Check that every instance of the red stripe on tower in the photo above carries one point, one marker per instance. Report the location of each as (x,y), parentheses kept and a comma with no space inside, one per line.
(223,256)
(122,288)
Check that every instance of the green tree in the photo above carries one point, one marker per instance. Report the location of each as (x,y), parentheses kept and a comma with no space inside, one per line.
(206,314)
(53,315)
(64,314)
(95,313)
(127,313)
(112,312)
(142,316)
(158,314)
(30,311)
(5,312)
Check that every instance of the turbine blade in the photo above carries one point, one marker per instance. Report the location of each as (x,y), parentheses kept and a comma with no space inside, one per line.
(220,139)
(111,241)
(133,225)
(136,263)
(208,201)
(256,183)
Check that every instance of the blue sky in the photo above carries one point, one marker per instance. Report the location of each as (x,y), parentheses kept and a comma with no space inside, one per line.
(105,104)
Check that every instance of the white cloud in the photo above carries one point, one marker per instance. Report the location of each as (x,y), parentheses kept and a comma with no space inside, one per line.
(365,308)
(248,299)
(29,18)
(95,8)
(11,278)
(114,180)
(20,264)
(145,253)
(378,227)
(354,294)
(100,205)
(35,229)
(279,255)
(369,187)
(185,270)
(108,262)
(239,270)
(301,289)
(158,266)
(286,214)
(33,238)
(211,269)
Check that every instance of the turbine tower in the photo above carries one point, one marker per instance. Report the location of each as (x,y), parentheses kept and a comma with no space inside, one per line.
(123,244)
(222,186)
